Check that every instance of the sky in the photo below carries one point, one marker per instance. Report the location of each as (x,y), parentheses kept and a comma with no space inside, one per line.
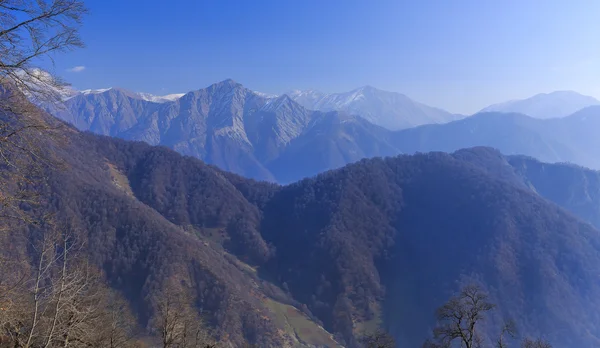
(459,55)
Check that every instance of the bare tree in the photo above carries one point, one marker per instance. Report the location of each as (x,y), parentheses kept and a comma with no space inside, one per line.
(509,330)
(63,301)
(33,30)
(30,31)
(458,319)
(115,325)
(175,321)
(378,339)
(538,343)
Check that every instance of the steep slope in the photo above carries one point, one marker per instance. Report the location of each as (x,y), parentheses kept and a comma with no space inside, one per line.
(330,141)
(398,234)
(380,242)
(207,124)
(569,139)
(386,109)
(109,111)
(575,188)
(149,216)
(546,105)
(231,127)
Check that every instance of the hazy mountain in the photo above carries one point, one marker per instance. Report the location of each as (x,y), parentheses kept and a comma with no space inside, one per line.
(249,133)
(386,109)
(331,141)
(276,139)
(546,105)
(575,188)
(569,139)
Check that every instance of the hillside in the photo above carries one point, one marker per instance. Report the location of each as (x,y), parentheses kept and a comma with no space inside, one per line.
(379,242)
(578,191)
(149,216)
(393,232)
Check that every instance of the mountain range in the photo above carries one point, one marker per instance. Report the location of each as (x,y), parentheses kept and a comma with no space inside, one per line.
(389,110)
(546,105)
(569,139)
(232,127)
(274,138)
(378,243)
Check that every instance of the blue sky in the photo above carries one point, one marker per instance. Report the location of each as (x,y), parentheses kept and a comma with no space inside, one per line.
(460,55)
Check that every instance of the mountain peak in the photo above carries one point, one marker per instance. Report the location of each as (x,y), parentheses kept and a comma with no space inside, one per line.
(390,110)
(368,88)
(546,105)
(227,82)
(279,102)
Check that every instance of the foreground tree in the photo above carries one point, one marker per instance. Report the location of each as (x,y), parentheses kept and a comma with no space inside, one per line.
(378,339)
(62,302)
(538,343)
(509,331)
(175,321)
(31,31)
(459,317)
(459,320)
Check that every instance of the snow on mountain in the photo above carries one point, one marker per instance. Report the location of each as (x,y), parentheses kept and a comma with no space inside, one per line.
(160,98)
(266,95)
(232,127)
(41,87)
(546,105)
(141,95)
(386,109)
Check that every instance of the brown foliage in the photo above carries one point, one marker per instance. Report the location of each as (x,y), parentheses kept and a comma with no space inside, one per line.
(61,301)
(378,339)
(176,322)
(538,343)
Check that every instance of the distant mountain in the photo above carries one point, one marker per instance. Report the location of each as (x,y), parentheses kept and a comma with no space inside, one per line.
(161,98)
(575,188)
(546,105)
(386,109)
(228,125)
(570,139)
(276,139)
(138,95)
(331,141)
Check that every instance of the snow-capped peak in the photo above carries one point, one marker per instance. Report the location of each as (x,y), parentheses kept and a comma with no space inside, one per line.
(40,86)
(140,95)
(266,95)
(160,98)
(94,91)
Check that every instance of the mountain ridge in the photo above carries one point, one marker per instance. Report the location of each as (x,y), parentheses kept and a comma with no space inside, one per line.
(390,110)
(546,105)
(277,139)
